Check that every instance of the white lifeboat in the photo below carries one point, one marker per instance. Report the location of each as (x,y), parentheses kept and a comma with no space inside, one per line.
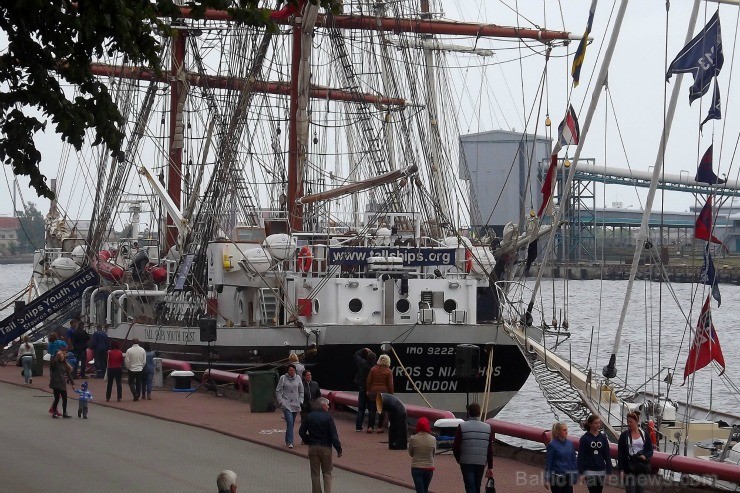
(280,246)
(64,267)
(483,261)
(78,254)
(257,260)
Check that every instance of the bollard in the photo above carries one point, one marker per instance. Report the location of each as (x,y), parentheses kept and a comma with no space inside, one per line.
(158,380)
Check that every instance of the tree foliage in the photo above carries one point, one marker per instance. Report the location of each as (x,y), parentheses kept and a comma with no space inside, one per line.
(52,43)
(32,228)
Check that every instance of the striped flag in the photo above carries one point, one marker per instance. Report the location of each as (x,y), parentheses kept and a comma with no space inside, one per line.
(569,132)
(580,55)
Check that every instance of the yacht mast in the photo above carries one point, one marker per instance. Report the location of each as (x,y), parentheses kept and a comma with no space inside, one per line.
(610,370)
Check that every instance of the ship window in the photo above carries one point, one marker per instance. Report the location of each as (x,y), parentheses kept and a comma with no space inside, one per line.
(402,305)
(355,305)
(450,305)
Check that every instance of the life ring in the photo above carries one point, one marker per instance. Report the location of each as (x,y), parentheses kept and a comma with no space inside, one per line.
(468,260)
(305,258)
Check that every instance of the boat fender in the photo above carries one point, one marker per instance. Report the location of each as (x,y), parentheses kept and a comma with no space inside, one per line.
(305,258)
(397,431)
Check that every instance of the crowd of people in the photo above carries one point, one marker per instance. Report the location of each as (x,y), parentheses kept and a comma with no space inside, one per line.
(296,392)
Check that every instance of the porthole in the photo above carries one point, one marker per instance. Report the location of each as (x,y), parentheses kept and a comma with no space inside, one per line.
(402,305)
(450,305)
(315,306)
(355,305)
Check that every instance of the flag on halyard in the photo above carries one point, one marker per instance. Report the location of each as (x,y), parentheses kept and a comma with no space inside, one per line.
(704,173)
(705,348)
(569,132)
(702,57)
(703,228)
(548,183)
(580,55)
(715,110)
(708,275)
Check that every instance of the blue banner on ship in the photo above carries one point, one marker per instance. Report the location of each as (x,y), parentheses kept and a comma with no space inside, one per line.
(63,296)
(412,256)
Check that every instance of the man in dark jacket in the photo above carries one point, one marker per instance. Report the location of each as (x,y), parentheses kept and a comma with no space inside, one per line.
(473,449)
(80,338)
(364,360)
(311,392)
(100,345)
(319,431)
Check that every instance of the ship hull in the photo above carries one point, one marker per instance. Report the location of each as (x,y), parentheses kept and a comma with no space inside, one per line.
(427,352)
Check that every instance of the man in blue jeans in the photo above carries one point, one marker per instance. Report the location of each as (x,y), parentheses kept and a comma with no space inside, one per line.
(473,449)
(364,360)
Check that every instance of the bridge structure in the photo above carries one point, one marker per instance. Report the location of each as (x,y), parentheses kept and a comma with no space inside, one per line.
(578,241)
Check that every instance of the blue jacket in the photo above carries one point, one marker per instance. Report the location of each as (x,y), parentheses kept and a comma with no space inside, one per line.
(561,459)
(593,453)
(99,341)
(55,346)
(319,429)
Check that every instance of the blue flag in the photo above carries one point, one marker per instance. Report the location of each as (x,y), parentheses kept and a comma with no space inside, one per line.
(708,275)
(702,57)
(715,110)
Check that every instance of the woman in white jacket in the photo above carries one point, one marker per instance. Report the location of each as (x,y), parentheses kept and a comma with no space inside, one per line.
(289,393)
(26,356)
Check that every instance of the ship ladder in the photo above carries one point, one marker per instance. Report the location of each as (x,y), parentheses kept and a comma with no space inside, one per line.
(556,388)
(268,306)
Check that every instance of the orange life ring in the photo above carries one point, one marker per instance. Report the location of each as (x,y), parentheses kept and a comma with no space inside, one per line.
(305,258)
(468,260)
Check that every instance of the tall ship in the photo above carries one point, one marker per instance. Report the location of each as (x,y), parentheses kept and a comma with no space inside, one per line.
(295,189)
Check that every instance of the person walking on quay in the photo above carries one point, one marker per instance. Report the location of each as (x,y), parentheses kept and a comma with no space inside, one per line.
(60,373)
(100,345)
(85,397)
(561,466)
(635,449)
(55,344)
(364,361)
(289,392)
(148,374)
(226,482)
(114,370)
(473,449)
(135,361)
(26,356)
(320,433)
(311,392)
(379,380)
(594,460)
(422,447)
(79,339)
(299,368)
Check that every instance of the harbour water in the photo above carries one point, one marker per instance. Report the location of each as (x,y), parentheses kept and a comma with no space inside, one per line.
(592,312)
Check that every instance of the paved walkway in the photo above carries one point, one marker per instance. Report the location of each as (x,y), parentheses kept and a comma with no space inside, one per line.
(138,445)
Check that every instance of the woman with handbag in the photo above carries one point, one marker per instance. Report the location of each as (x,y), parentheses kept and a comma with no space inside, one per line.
(594,461)
(635,451)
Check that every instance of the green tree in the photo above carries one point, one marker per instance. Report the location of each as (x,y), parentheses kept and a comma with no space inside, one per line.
(31,233)
(54,42)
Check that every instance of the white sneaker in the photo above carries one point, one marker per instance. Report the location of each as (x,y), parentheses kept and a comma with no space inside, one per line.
(290,445)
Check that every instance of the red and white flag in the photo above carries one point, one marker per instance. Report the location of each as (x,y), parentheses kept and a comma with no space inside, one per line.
(568,133)
(705,348)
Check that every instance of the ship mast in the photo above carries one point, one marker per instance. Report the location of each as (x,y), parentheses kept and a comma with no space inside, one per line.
(177,103)
(297,138)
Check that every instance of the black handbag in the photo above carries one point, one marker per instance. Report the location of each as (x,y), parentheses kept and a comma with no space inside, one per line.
(490,486)
(639,466)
